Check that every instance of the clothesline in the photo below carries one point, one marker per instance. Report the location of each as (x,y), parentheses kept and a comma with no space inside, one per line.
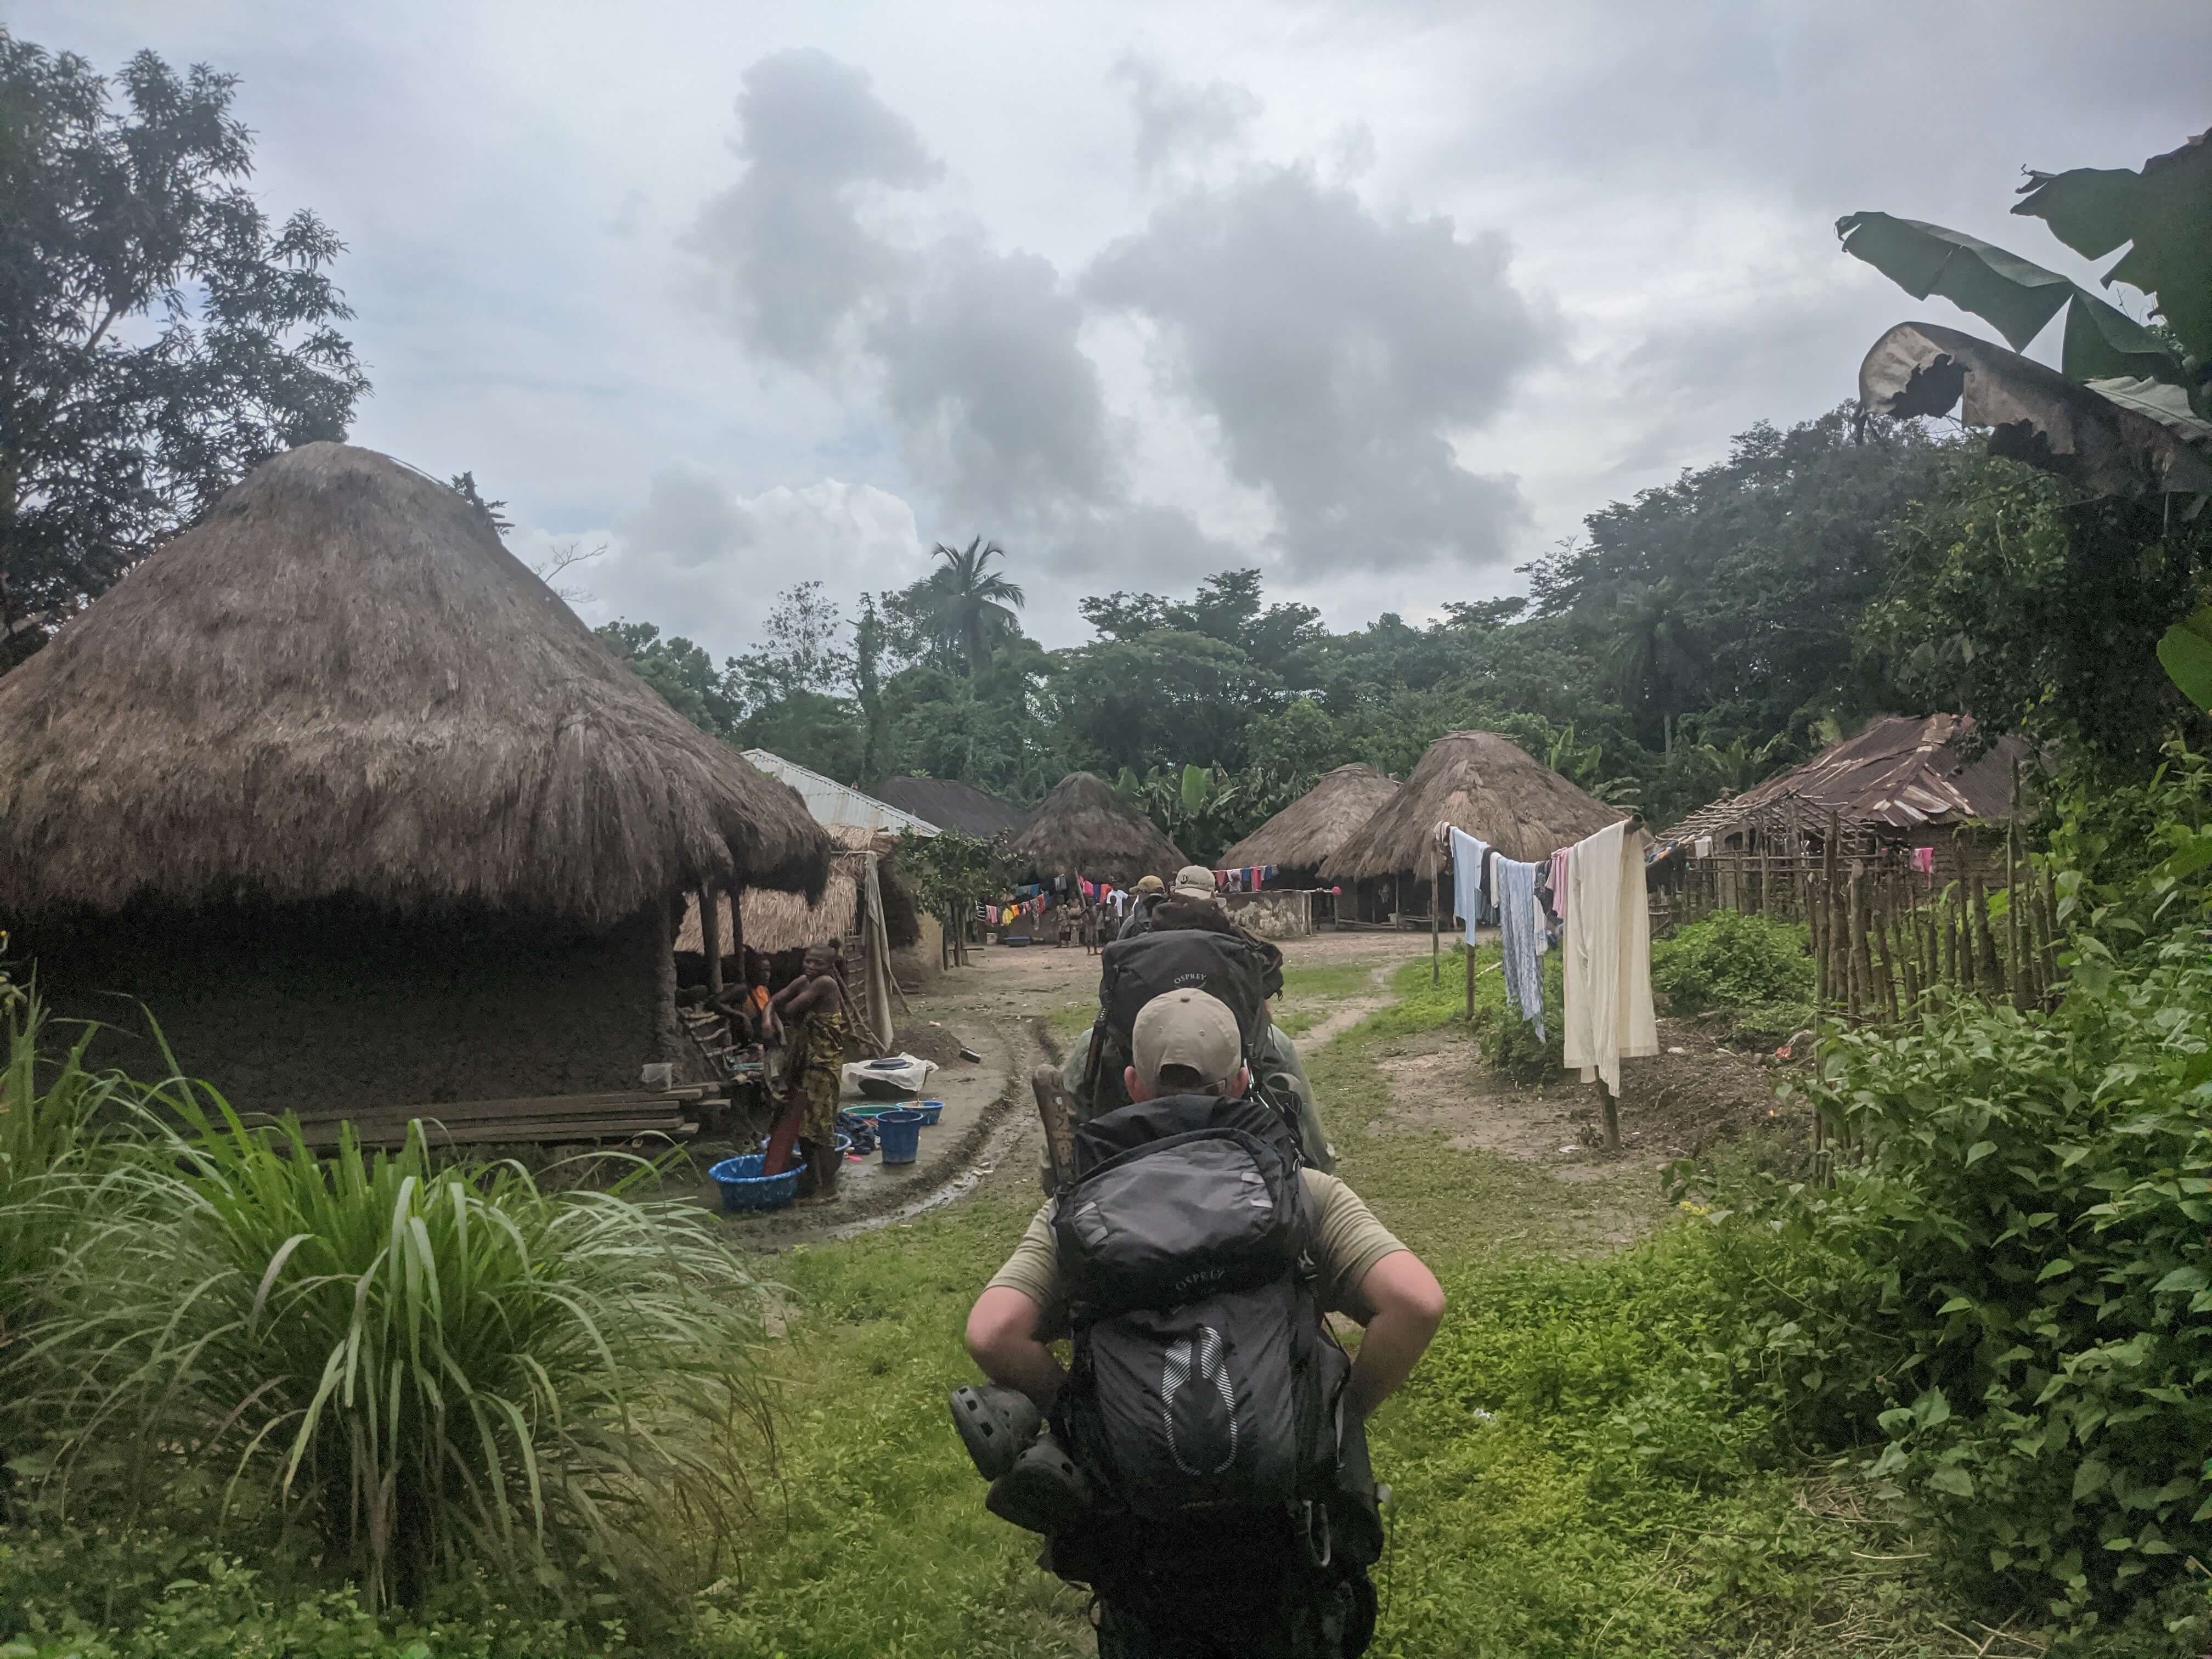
(1590,897)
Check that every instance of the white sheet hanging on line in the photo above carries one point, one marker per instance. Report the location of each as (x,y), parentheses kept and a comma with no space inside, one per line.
(1606,956)
(1467,856)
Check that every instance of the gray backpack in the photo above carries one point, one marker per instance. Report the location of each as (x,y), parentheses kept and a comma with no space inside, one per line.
(1205,1399)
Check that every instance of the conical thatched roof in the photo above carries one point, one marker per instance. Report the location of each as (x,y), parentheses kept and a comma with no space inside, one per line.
(1486,785)
(1083,829)
(1318,822)
(341,683)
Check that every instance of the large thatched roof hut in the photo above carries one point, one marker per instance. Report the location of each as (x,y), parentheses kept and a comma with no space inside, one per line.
(1083,829)
(1305,833)
(950,804)
(1486,785)
(357,807)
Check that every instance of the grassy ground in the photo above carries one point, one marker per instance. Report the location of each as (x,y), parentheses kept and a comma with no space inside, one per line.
(1570,1481)
(1069,1021)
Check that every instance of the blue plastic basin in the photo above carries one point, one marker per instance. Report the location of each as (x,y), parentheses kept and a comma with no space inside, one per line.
(745,1188)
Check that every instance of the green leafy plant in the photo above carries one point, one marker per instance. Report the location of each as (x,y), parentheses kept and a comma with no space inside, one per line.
(1733,960)
(425,1371)
(2010,1290)
(950,869)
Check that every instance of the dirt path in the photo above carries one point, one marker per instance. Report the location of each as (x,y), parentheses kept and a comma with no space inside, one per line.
(1349,1012)
(1677,1104)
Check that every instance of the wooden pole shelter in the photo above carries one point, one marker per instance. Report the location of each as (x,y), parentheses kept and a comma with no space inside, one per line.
(710,937)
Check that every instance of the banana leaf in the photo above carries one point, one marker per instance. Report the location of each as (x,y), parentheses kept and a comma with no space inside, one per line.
(2110,445)
(2186,652)
(1197,785)
(2015,296)
(2162,214)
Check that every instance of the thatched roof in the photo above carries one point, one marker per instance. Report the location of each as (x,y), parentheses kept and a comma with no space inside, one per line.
(783,921)
(1083,829)
(1486,785)
(960,807)
(1318,822)
(341,683)
(1900,774)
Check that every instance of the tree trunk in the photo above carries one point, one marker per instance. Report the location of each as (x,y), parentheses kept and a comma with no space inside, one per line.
(710,938)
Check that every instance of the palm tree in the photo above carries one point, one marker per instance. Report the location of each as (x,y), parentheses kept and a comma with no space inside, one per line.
(1654,656)
(975,605)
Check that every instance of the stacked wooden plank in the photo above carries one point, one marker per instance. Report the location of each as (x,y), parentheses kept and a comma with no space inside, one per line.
(543,1118)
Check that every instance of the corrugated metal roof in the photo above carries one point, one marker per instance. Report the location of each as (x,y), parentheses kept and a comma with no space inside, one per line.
(1901,773)
(832,802)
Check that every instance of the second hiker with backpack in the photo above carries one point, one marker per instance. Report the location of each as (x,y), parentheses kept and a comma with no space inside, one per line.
(1201,1464)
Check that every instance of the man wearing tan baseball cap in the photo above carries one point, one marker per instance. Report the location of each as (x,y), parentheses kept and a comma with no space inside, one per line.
(1186,1042)
(1194,881)
(1185,1047)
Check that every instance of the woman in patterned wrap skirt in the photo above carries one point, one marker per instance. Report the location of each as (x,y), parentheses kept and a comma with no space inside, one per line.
(814,1005)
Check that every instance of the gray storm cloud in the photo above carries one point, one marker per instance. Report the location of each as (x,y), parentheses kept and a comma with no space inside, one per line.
(689,519)
(986,378)
(1337,350)
(787,255)
(1181,121)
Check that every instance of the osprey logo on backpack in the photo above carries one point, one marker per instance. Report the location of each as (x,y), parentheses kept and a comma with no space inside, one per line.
(1198,1405)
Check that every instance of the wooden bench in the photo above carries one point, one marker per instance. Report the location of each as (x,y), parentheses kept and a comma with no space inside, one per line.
(543,1119)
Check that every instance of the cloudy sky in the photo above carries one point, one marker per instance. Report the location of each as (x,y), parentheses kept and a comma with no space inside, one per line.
(1380,297)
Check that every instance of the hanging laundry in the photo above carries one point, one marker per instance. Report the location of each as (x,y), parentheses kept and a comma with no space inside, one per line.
(1519,939)
(1467,856)
(1559,884)
(1923,860)
(1704,846)
(1606,965)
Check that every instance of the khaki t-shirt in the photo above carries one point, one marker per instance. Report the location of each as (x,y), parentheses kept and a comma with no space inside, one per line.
(1347,1241)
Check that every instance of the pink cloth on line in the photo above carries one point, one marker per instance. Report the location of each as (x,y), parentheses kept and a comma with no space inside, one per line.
(1923,860)
(1558,883)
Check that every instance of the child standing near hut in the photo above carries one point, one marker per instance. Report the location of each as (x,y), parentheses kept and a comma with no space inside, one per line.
(814,1004)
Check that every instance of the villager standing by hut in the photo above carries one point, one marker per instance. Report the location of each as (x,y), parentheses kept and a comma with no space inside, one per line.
(812,1010)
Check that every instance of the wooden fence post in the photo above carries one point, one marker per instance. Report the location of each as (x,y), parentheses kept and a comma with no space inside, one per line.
(2018,964)
(1855,970)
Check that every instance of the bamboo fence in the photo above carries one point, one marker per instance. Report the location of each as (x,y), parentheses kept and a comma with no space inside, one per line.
(1887,939)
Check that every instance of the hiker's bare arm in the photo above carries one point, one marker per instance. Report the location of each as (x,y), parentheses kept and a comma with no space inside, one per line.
(1408,1305)
(1002,1337)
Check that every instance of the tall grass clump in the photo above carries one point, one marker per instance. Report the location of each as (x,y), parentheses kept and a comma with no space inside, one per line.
(57,1122)
(422,1374)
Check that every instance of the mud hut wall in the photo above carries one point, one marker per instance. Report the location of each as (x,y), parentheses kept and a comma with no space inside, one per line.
(1272,913)
(336,1005)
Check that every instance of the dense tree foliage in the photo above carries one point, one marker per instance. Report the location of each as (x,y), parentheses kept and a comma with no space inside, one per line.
(1695,639)
(158,335)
